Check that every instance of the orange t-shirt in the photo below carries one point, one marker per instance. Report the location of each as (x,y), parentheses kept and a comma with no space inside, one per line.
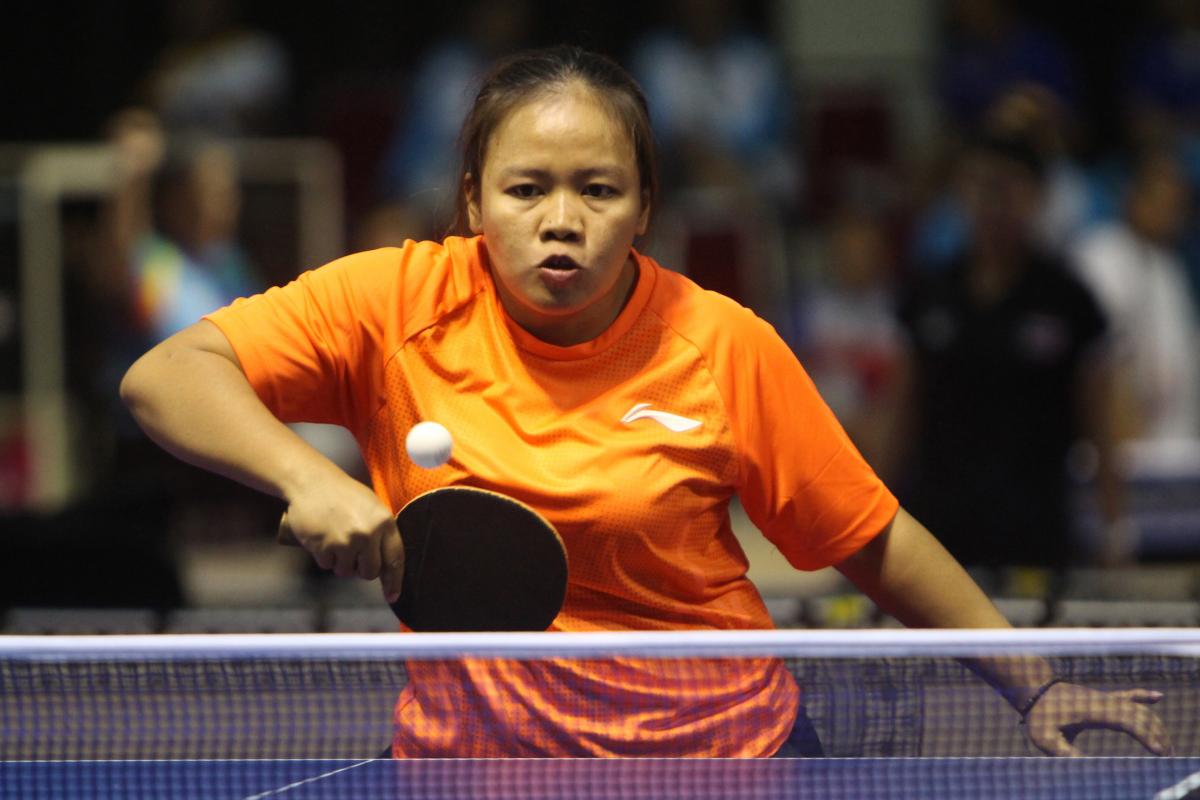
(632,444)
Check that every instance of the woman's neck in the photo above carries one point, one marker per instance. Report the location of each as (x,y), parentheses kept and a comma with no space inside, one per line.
(572,329)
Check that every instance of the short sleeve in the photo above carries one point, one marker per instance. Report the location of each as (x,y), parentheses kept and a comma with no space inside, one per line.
(802,481)
(313,350)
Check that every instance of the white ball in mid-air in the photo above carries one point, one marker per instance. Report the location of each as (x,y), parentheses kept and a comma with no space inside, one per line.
(428,444)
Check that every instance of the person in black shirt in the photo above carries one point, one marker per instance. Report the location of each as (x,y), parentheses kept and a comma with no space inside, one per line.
(1008,369)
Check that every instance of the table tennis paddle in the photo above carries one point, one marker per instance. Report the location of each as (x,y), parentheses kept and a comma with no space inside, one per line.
(475,560)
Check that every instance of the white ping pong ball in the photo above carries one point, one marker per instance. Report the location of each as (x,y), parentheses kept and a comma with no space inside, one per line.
(428,444)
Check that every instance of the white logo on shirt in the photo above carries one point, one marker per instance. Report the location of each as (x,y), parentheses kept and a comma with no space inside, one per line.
(672,422)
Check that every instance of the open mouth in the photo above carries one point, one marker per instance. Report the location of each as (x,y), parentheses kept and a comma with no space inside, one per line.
(559,272)
(559,263)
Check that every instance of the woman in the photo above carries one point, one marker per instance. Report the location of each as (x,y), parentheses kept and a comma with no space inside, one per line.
(533,341)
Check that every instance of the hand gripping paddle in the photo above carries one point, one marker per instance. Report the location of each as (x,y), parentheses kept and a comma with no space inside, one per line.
(475,560)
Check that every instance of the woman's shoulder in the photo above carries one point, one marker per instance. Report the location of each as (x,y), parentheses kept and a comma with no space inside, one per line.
(439,278)
(414,285)
(684,304)
(710,320)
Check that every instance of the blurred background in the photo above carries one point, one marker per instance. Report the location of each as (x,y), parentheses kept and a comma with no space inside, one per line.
(975,221)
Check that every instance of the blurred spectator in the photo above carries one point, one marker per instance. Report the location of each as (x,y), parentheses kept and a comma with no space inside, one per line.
(1142,284)
(721,101)
(1007,369)
(170,256)
(216,76)
(166,254)
(172,223)
(1035,113)
(989,49)
(849,340)
(419,169)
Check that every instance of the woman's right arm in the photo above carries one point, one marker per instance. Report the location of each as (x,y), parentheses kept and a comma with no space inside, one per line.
(191,397)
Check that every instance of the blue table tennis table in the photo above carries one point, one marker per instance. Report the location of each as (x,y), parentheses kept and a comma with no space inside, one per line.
(640,779)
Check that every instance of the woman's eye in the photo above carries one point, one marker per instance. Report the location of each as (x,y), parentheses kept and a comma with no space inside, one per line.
(523,190)
(599,190)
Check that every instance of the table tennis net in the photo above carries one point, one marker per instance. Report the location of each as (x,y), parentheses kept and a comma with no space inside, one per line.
(868,694)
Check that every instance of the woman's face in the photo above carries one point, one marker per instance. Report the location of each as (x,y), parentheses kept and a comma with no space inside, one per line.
(559,204)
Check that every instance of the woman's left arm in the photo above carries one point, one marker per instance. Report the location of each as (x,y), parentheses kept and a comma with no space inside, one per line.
(909,575)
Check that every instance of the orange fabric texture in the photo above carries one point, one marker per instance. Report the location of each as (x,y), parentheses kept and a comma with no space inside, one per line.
(632,444)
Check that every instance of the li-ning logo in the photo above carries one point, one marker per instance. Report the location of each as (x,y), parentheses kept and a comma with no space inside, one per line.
(672,422)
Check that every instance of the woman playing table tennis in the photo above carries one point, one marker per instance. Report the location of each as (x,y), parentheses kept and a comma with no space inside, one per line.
(617,398)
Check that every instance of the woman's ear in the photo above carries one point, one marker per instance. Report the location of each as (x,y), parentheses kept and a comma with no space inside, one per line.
(470,189)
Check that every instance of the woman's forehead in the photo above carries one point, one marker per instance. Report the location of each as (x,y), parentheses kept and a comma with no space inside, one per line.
(574,123)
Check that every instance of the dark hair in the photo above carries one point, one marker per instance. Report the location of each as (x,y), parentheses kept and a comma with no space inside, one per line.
(526,75)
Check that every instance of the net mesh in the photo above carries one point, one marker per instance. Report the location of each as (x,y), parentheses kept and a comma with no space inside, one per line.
(236,714)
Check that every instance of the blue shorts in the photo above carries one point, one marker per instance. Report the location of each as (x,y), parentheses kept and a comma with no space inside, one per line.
(803,741)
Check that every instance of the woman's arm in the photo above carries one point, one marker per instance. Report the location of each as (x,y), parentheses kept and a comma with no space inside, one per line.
(908,574)
(191,397)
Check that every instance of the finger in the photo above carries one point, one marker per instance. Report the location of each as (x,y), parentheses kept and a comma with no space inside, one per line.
(1139,722)
(368,561)
(1144,696)
(1148,729)
(325,559)
(391,549)
(1157,742)
(343,562)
